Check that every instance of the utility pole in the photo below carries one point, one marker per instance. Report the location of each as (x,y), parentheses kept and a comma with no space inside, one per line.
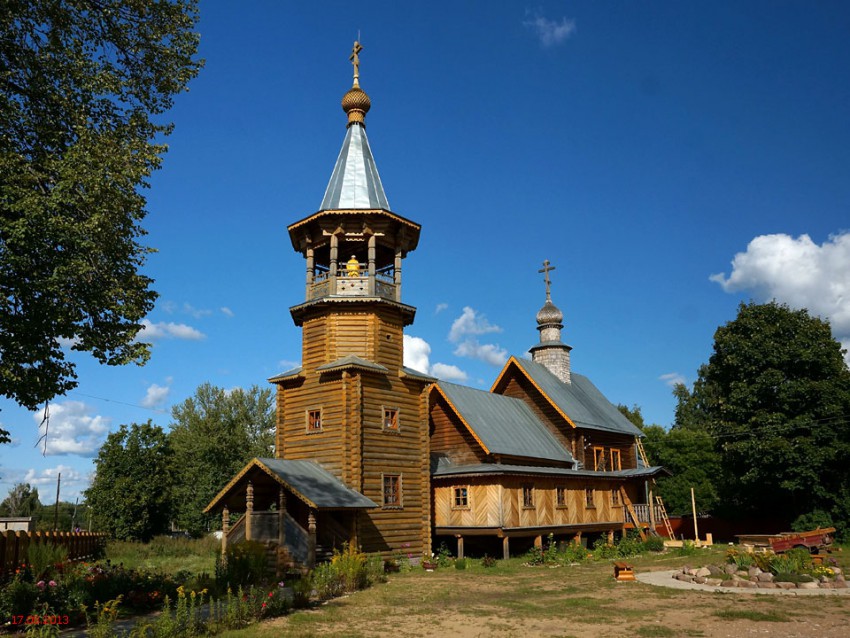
(56,507)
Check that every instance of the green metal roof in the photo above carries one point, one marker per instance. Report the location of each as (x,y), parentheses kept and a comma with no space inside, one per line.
(580,400)
(504,425)
(317,484)
(446,469)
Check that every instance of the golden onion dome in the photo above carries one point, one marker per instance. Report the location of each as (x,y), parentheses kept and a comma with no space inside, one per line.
(356,104)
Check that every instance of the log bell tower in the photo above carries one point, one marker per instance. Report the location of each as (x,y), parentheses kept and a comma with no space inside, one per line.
(352,406)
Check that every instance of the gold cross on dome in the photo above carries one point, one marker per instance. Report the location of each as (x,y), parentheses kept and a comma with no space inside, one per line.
(545,270)
(355,60)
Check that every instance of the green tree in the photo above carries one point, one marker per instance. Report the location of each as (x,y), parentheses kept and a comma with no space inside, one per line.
(81,85)
(22,500)
(131,494)
(775,398)
(214,434)
(690,457)
(633,414)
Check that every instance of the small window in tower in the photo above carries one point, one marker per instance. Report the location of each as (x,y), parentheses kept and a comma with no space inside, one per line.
(314,421)
(615,497)
(528,496)
(588,498)
(461,498)
(392,491)
(390,419)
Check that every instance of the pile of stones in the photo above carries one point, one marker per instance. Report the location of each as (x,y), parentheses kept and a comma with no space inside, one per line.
(754,578)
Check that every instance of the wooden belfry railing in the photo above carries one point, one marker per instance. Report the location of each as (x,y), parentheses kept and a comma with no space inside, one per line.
(14,546)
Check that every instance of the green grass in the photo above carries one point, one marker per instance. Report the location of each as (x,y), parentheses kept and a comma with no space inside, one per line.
(750,614)
(654,631)
(165,554)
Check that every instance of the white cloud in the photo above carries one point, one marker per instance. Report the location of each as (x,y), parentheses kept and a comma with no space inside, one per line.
(73,429)
(156,395)
(167,330)
(551,32)
(486,352)
(464,331)
(448,372)
(470,323)
(197,313)
(227,312)
(72,485)
(417,353)
(286,364)
(672,379)
(64,342)
(797,272)
(440,307)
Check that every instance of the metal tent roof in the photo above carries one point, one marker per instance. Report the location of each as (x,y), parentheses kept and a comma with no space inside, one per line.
(355,182)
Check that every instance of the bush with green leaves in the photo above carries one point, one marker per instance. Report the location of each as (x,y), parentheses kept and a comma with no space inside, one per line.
(654,544)
(45,557)
(242,564)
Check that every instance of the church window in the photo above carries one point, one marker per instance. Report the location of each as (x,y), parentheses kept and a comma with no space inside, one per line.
(528,496)
(390,419)
(561,496)
(588,498)
(616,463)
(615,497)
(392,490)
(314,421)
(461,498)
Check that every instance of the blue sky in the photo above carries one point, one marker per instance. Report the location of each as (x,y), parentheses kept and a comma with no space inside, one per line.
(641,147)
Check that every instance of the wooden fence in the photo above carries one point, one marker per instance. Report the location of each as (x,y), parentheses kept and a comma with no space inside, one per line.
(14,546)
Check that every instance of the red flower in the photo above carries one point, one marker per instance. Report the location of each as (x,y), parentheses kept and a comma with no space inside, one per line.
(271,593)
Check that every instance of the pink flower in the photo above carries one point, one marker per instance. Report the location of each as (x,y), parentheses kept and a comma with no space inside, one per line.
(40,584)
(271,593)
(52,583)
(264,605)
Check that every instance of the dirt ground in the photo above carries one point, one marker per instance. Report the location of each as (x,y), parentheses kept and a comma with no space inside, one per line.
(580,601)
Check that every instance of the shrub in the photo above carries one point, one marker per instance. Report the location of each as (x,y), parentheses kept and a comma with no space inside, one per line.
(350,567)
(242,564)
(18,597)
(443,556)
(488,561)
(813,520)
(654,544)
(630,545)
(602,549)
(460,563)
(688,548)
(575,553)
(44,557)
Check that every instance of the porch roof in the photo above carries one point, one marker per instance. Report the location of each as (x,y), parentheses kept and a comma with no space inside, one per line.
(307,480)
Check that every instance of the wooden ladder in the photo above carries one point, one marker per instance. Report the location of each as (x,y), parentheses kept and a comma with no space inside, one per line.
(664,517)
(641,451)
(632,512)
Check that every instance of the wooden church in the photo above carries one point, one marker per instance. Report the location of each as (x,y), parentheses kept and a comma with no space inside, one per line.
(372,453)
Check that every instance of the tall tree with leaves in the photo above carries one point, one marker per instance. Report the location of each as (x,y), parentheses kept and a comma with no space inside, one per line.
(131,494)
(775,397)
(82,83)
(214,434)
(22,500)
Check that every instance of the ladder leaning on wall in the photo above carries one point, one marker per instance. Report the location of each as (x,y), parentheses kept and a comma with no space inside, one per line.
(660,503)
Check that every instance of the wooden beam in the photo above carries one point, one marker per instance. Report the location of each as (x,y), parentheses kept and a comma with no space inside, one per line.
(506,548)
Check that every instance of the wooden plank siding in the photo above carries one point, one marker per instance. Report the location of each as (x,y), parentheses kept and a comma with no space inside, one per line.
(498,503)
(450,437)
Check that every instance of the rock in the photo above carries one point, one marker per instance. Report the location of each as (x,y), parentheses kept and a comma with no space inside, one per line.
(840,584)
(839,577)
(753,571)
(700,580)
(703,571)
(743,573)
(836,570)
(807,585)
(747,584)
(714,570)
(786,585)
(730,568)
(765,577)
(826,585)
(714,582)
(727,583)
(686,578)
(693,571)
(764,584)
